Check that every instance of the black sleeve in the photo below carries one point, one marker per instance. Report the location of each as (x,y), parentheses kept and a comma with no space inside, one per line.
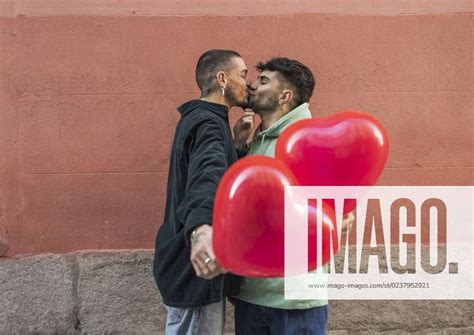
(207,165)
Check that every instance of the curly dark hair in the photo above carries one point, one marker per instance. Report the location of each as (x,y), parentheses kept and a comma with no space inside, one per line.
(293,73)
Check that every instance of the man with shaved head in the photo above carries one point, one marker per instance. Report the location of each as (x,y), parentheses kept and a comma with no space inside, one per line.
(190,280)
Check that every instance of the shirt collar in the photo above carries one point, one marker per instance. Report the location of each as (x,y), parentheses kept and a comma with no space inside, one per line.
(218,109)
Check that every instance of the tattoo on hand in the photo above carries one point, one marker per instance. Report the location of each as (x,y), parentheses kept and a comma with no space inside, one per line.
(196,238)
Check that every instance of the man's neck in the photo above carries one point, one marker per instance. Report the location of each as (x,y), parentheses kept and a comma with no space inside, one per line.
(216,98)
(270,118)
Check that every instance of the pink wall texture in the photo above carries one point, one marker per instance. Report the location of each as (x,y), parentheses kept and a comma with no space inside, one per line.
(88,101)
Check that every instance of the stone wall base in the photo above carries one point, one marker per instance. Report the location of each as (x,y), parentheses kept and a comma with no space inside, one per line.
(114,293)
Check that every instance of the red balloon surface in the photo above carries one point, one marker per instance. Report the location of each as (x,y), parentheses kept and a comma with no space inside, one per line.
(248,222)
(348,148)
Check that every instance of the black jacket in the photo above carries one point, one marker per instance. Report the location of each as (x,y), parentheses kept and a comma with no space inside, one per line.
(203,149)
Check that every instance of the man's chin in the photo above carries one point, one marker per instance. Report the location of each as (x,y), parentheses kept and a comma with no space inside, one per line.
(245,104)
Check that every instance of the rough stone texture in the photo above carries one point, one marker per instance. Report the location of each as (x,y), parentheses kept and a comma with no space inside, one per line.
(447,331)
(117,294)
(353,315)
(454,331)
(418,315)
(337,332)
(36,295)
(395,316)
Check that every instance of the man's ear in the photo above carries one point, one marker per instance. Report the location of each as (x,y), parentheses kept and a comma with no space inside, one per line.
(221,79)
(285,97)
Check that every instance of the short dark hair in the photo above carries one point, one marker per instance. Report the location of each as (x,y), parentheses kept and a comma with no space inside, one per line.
(211,62)
(293,72)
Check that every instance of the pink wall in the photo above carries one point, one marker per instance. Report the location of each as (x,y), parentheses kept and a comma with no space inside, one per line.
(88,102)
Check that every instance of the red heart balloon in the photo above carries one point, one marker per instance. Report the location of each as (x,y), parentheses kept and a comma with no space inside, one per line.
(248,222)
(348,148)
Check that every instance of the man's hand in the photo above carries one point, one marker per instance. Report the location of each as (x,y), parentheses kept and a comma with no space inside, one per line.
(202,257)
(243,128)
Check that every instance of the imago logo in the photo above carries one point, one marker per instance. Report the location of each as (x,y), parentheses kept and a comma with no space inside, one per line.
(389,241)
(403,243)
